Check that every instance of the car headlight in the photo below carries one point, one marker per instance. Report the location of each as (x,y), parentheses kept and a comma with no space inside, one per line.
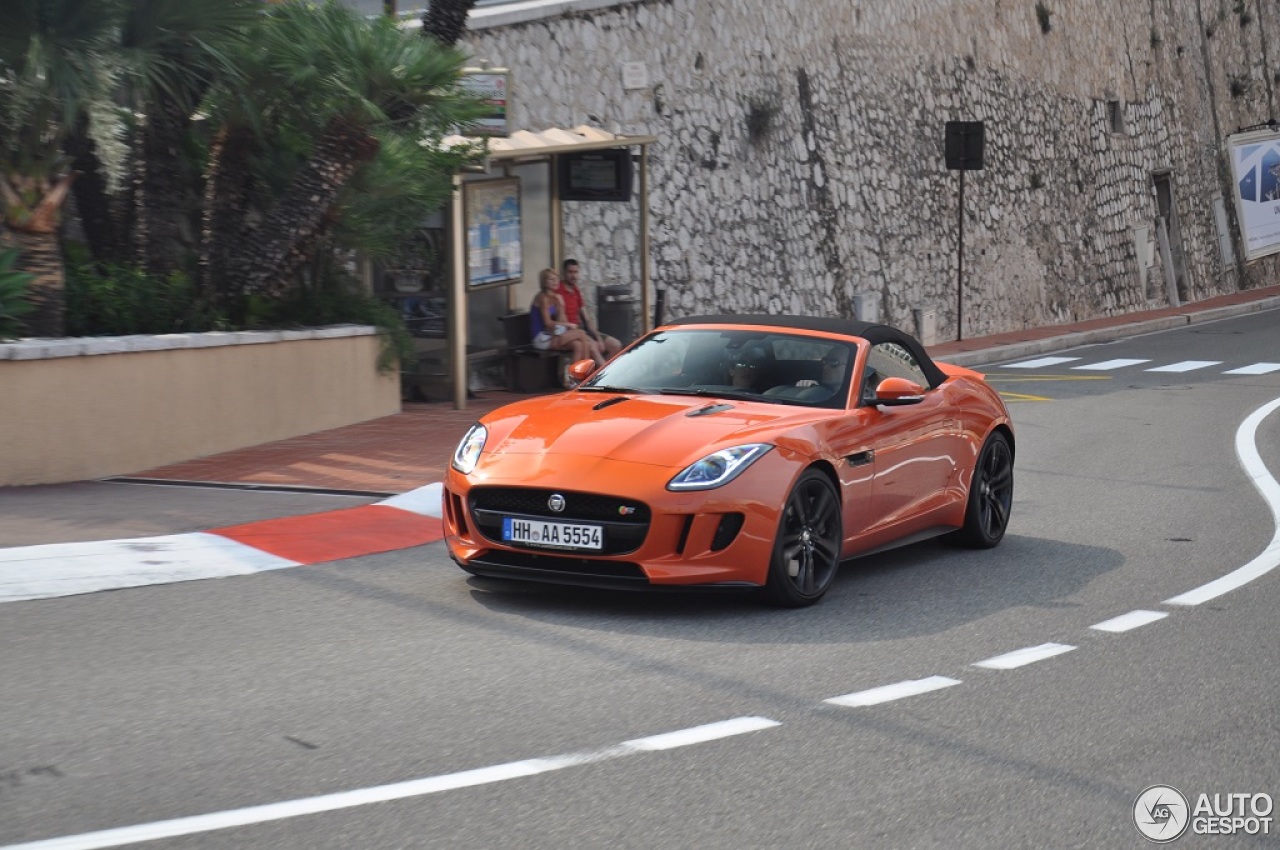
(467,454)
(718,468)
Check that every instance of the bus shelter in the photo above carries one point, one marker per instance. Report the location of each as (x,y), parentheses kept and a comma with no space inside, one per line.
(506,221)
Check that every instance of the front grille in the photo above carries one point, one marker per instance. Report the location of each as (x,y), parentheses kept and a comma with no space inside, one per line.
(578,506)
(624,522)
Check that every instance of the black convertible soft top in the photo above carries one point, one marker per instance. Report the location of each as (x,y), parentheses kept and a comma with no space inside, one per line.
(870,331)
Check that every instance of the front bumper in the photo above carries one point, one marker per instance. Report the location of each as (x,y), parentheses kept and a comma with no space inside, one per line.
(653,537)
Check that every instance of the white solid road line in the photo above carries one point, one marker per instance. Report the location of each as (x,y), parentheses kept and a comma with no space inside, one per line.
(1247,451)
(1132,620)
(394,791)
(887,693)
(1020,657)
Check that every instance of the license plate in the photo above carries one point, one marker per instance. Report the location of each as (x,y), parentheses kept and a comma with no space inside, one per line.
(553,535)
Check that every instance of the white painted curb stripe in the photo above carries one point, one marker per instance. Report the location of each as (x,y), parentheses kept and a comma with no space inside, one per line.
(1247,451)
(1039,362)
(65,569)
(1132,620)
(424,501)
(69,569)
(394,791)
(1108,365)
(1029,655)
(1185,366)
(888,693)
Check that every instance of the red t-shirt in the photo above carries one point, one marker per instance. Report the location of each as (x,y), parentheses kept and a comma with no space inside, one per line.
(572,297)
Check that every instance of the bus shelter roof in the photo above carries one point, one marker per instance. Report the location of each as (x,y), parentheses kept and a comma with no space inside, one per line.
(526,144)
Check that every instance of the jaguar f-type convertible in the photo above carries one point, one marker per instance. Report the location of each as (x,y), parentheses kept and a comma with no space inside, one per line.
(744,452)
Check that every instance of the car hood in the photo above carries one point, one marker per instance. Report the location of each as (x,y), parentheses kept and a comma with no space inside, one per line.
(649,429)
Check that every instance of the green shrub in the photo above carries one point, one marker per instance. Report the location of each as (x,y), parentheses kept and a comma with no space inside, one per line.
(13,295)
(113,300)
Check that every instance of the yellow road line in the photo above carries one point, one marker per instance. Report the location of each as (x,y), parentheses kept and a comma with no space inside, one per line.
(1024,397)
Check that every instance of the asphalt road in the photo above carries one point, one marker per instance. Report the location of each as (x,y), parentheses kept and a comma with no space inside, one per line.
(138,706)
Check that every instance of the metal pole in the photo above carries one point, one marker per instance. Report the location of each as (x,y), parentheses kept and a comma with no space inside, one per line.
(960,268)
(646,315)
(458,303)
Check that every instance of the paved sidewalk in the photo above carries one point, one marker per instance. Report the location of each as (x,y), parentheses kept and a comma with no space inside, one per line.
(410,449)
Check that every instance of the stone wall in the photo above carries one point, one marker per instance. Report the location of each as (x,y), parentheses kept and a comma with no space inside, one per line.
(799,161)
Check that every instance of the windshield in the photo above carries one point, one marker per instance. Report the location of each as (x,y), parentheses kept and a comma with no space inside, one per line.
(758,365)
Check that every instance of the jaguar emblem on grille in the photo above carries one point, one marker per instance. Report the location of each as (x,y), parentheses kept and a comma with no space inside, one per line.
(556,502)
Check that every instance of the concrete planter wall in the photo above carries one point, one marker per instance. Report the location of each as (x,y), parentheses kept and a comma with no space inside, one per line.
(75,409)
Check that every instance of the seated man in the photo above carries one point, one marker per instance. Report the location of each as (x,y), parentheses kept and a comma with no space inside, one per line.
(576,313)
(831,379)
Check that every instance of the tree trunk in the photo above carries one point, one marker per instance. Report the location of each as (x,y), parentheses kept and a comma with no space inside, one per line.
(270,255)
(32,207)
(163,242)
(47,291)
(446,20)
(226,192)
(101,228)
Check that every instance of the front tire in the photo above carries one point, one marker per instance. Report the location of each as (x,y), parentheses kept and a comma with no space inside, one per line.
(806,549)
(990,496)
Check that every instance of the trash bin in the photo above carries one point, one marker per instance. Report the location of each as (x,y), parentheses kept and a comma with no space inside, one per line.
(616,307)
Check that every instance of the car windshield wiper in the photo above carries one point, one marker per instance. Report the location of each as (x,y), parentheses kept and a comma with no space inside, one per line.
(605,388)
(709,393)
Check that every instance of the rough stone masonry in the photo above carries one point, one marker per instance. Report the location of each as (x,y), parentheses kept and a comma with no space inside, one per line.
(799,165)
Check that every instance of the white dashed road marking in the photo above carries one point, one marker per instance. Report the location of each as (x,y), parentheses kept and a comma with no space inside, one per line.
(1029,655)
(1255,369)
(395,791)
(1186,366)
(1040,362)
(1109,365)
(1132,620)
(888,693)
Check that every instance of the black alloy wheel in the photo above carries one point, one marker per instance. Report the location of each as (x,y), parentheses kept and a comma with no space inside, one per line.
(990,496)
(806,551)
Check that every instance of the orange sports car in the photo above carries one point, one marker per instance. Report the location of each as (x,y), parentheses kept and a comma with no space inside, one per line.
(733,452)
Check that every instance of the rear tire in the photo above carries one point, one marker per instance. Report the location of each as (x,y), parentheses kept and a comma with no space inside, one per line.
(806,549)
(986,515)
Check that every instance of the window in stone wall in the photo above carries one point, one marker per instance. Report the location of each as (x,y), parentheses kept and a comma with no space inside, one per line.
(1115,117)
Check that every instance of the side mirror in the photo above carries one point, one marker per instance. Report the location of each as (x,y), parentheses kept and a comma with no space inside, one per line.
(893,392)
(580,370)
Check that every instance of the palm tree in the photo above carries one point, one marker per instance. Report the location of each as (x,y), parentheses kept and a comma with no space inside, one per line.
(446,20)
(349,84)
(55,64)
(175,50)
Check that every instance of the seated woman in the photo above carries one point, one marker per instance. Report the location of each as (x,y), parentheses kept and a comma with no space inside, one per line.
(550,331)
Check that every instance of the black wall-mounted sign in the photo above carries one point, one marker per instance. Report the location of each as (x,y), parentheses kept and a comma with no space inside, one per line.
(963,147)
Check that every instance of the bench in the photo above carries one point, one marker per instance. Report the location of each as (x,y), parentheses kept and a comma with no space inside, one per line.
(530,370)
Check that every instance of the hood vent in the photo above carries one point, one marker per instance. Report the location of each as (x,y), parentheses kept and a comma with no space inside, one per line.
(710,408)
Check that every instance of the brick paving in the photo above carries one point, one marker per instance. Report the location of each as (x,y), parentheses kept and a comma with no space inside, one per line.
(409,449)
